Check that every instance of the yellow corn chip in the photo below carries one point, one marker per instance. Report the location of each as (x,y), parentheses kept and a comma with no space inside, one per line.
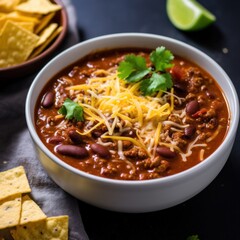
(22,17)
(10,209)
(46,33)
(3,19)
(2,14)
(27,25)
(53,228)
(8,5)
(16,44)
(13,181)
(38,6)
(31,212)
(44,22)
(38,50)
(16,17)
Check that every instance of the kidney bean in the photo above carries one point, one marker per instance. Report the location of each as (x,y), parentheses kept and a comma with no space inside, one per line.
(210,94)
(96,133)
(48,100)
(101,150)
(189,131)
(129,133)
(192,107)
(180,86)
(74,136)
(165,152)
(71,150)
(55,139)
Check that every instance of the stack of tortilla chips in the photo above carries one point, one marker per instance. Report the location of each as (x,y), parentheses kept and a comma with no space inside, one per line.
(26,29)
(21,215)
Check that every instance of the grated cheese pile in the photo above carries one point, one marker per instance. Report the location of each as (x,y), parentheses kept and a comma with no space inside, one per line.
(120,106)
(110,101)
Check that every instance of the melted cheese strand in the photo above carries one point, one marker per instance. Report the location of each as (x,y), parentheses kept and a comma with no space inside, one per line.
(134,141)
(117,104)
(214,134)
(190,147)
(90,130)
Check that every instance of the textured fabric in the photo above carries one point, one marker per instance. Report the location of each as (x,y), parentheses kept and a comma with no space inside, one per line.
(16,147)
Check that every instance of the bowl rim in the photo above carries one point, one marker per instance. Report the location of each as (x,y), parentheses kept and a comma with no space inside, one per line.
(230,136)
(49,49)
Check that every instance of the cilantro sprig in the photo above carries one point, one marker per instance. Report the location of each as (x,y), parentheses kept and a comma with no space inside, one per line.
(72,110)
(152,79)
(193,237)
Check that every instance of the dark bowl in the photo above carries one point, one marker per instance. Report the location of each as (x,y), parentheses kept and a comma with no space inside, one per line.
(33,65)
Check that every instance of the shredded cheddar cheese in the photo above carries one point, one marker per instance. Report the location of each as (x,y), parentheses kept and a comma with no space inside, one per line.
(111,101)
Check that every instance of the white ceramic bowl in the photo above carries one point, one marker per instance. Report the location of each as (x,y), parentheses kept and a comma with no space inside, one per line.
(133,196)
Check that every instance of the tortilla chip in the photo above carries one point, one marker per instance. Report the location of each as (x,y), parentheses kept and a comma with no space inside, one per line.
(13,181)
(44,22)
(16,44)
(31,212)
(16,17)
(22,17)
(40,49)
(46,33)
(38,6)
(27,25)
(10,209)
(50,229)
(2,14)
(7,5)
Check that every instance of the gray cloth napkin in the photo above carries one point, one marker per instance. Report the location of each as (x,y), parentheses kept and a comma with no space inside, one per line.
(16,147)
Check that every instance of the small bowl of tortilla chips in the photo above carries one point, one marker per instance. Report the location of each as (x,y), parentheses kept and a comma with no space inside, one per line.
(30,32)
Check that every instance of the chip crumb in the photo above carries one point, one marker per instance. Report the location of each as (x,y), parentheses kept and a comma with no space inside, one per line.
(225,50)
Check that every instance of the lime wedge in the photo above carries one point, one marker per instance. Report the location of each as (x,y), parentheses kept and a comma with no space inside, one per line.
(188,15)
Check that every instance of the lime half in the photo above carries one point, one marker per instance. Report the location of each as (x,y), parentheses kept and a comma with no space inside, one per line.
(188,15)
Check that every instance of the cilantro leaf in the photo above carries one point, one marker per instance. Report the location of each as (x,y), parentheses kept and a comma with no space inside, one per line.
(133,68)
(193,237)
(156,83)
(71,110)
(161,59)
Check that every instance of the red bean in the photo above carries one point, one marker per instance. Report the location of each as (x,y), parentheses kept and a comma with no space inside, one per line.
(192,107)
(129,133)
(101,150)
(71,150)
(74,136)
(189,131)
(180,86)
(48,100)
(210,94)
(166,152)
(55,139)
(96,133)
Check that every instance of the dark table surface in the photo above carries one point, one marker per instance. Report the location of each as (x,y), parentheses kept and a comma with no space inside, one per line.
(214,214)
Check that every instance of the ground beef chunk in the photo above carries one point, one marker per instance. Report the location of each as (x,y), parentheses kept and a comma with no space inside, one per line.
(164,165)
(178,138)
(156,165)
(174,118)
(135,153)
(127,144)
